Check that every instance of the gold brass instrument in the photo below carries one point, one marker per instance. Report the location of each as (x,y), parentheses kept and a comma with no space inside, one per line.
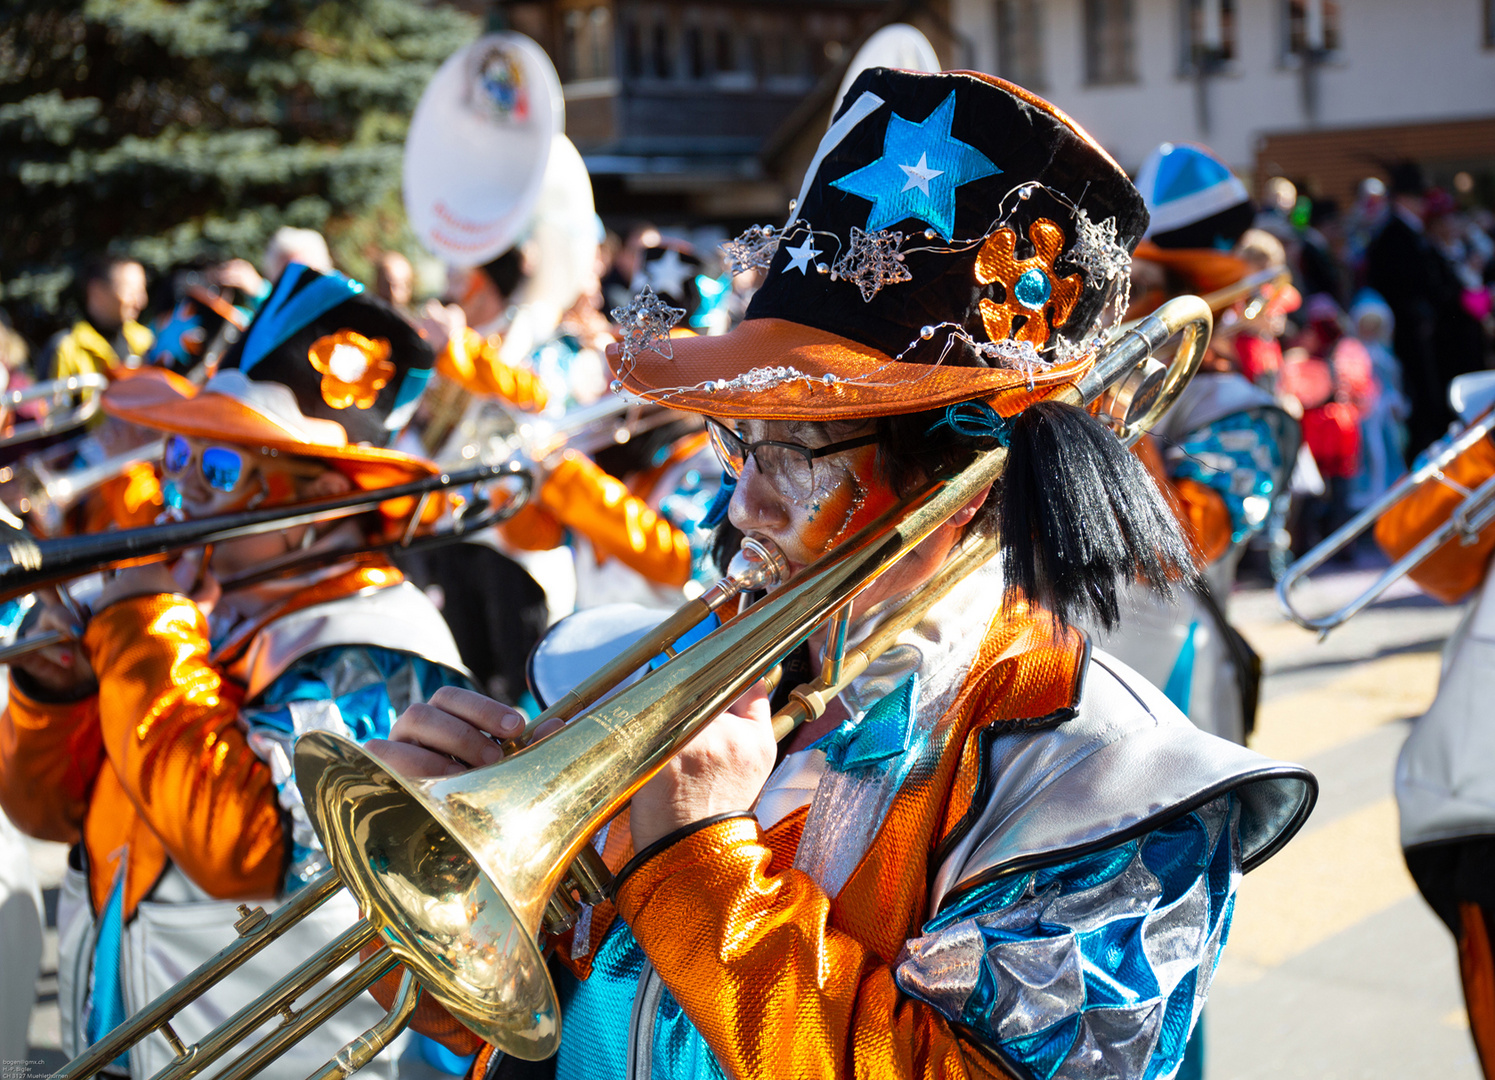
(63,414)
(1473,515)
(1252,289)
(459,875)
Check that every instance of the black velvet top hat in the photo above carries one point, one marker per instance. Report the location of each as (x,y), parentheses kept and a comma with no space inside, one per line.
(956,238)
(326,369)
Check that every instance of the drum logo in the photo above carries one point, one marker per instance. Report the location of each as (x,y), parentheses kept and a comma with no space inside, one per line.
(498,85)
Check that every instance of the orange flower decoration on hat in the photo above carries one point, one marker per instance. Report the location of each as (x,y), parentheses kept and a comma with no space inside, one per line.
(1032,290)
(354,368)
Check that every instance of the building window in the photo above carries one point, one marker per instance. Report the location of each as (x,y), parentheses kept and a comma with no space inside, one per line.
(1020,42)
(587,43)
(1309,28)
(1110,52)
(661,52)
(1207,37)
(1489,24)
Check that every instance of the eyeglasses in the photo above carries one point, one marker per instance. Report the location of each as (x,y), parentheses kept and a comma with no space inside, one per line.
(789,466)
(222,468)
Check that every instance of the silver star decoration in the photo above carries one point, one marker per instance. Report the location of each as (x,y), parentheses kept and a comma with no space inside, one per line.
(646,324)
(1096,249)
(753,250)
(872,262)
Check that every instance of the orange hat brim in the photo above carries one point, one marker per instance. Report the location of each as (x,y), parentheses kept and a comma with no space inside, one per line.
(159,399)
(828,377)
(1203,268)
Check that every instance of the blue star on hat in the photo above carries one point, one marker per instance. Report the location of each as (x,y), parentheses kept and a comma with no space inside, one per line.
(920,168)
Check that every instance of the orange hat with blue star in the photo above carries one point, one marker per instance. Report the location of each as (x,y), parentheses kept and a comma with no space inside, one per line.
(956,238)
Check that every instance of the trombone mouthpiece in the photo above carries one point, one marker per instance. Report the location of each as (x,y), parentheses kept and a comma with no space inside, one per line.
(758,564)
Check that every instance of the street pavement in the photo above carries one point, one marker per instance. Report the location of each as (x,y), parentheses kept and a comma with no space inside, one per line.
(1335,969)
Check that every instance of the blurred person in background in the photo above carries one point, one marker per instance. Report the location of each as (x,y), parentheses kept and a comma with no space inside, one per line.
(394,279)
(108,337)
(1365,217)
(1330,376)
(617,283)
(1383,428)
(291,245)
(1414,280)
(1464,319)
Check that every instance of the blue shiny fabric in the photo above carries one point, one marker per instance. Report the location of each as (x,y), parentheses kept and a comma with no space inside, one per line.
(921,166)
(352,690)
(598,1013)
(883,733)
(1240,456)
(1095,967)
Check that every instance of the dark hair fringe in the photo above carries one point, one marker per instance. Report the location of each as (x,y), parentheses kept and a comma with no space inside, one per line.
(1079,515)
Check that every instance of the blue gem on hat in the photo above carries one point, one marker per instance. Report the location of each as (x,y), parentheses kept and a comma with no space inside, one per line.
(1032,289)
(916,177)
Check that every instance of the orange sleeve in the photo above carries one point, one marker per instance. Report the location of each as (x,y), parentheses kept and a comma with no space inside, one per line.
(50,756)
(771,986)
(1200,509)
(619,524)
(1455,569)
(171,731)
(534,528)
(1204,516)
(474,363)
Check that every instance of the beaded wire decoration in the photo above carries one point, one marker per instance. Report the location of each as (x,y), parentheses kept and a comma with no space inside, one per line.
(875,260)
(646,324)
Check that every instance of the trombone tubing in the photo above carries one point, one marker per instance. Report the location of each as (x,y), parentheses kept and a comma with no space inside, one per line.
(233,956)
(34,563)
(1315,557)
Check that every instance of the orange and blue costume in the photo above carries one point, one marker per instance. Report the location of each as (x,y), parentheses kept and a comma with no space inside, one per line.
(173,776)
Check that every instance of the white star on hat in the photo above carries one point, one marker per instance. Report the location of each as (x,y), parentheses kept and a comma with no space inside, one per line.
(801,258)
(919,175)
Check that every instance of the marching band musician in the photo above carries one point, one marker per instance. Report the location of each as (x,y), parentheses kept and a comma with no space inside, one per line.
(638,516)
(1223,453)
(1000,852)
(159,742)
(1445,787)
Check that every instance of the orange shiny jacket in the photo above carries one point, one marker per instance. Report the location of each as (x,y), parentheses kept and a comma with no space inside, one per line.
(1455,569)
(473,362)
(618,522)
(782,979)
(155,764)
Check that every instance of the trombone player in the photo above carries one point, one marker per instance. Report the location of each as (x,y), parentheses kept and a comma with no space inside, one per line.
(998,852)
(158,742)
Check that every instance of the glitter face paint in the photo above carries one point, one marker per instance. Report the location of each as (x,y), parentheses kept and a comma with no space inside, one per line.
(846,494)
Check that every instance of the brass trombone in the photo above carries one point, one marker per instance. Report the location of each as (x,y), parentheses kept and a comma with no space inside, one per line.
(459,875)
(57,393)
(1471,518)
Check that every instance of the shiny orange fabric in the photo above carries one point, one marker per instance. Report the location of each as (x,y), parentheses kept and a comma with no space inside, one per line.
(50,756)
(473,362)
(1455,569)
(579,495)
(129,500)
(781,979)
(1477,972)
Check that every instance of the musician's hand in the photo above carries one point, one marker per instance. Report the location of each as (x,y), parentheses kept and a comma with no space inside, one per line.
(440,323)
(453,732)
(237,274)
(720,770)
(63,671)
